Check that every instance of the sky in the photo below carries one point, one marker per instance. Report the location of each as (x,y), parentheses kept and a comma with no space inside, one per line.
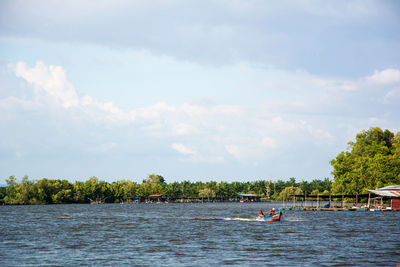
(192,90)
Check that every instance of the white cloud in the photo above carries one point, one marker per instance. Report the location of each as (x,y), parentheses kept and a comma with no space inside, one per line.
(235,151)
(166,54)
(345,9)
(181,148)
(211,133)
(391,95)
(206,132)
(14,105)
(52,80)
(269,142)
(52,87)
(388,76)
(318,134)
(335,85)
(251,147)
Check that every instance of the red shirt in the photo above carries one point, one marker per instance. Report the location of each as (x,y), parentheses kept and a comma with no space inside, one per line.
(272,212)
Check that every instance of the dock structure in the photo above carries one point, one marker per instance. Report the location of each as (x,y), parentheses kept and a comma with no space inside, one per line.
(332,209)
(246,198)
(392,192)
(382,199)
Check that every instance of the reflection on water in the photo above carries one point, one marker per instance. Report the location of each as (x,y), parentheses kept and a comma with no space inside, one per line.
(194,234)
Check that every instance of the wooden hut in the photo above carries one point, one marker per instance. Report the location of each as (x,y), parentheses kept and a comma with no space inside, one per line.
(247,197)
(156,198)
(391,192)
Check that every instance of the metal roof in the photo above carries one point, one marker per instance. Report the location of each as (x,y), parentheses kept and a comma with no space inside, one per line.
(388,191)
(390,187)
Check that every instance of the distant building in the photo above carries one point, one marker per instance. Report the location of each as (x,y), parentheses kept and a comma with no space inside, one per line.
(392,192)
(156,198)
(247,197)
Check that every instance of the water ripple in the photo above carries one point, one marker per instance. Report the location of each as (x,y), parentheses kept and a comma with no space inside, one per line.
(193,235)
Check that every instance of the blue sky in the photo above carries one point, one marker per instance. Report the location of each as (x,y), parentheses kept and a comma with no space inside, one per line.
(192,90)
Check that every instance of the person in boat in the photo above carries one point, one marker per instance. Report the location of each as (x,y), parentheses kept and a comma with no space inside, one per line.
(272,212)
(260,213)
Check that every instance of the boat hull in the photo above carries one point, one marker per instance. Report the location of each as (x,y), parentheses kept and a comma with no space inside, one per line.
(273,218)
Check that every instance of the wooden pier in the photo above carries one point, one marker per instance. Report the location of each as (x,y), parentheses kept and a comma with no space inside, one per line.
(357,202)
(332,209)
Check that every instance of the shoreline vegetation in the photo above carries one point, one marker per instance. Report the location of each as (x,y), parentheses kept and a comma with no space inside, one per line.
(372,161)
(50,191)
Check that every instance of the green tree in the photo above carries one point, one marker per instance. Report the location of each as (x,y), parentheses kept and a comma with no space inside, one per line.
(45,190)
(373,161)
(173,190)
(25,192)
(288,194)
(79,193)
(64,192)
(305,187)
(11,192)
(96,190)
(153,184)
(3,190)
(130,189)
(188,189)
(268,189)
(207,192)
(224,190)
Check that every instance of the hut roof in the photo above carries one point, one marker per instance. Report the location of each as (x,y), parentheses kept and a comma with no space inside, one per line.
(388,191)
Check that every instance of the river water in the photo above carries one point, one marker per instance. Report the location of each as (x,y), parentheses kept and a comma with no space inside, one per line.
(193,234)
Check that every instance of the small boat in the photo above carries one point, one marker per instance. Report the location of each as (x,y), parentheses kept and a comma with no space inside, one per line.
(272,218)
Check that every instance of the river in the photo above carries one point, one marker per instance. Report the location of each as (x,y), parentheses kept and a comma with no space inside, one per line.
(194,234)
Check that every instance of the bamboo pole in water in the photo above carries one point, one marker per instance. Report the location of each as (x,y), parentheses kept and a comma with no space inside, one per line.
(294,199)
(342,201)
(356,199)
(369,199)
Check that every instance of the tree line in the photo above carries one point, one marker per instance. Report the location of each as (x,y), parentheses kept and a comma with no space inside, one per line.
(52,191)
(372,161)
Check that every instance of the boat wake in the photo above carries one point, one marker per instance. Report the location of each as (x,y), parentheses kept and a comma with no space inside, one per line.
(256,219)
(239,219)
(245,219)
(294,219)
(229,219)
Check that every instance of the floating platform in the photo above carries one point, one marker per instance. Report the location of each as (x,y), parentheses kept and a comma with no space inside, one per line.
(331,209)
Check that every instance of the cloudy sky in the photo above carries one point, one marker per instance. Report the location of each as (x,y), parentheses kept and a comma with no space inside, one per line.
(197,90)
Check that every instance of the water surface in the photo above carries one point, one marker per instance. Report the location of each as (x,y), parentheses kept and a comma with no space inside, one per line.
(194,234)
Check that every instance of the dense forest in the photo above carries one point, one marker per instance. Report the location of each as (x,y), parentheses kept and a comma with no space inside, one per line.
(50,191)
(372,161)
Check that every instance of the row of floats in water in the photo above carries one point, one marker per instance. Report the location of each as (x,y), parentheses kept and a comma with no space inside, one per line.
(332,209)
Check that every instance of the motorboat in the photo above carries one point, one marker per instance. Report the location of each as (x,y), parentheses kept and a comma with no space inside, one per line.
(273,217)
